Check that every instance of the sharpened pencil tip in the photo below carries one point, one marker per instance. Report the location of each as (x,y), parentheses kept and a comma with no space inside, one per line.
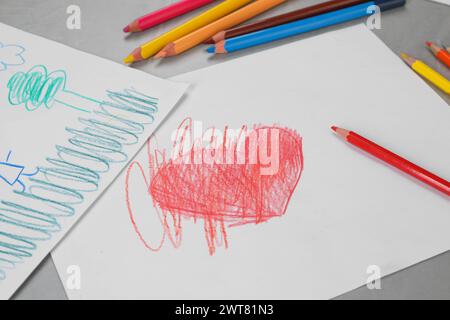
(428,43)
(160,55)
(219,47)
(343,133)
(408,59)
(129,59)
(220,36)
(211,49)
(126,29)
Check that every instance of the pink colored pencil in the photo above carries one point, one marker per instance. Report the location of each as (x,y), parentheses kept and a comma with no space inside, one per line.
(157,17)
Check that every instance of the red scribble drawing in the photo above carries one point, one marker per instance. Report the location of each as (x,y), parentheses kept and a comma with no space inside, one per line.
(226,183)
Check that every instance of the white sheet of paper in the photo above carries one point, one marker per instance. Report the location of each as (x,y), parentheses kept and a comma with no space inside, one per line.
(447,2)
(78,120)
(347,214)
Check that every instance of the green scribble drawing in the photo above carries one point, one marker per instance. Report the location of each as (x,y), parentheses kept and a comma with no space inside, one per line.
(39,88)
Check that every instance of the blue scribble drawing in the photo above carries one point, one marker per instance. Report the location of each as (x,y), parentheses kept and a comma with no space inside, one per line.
(12,173)
(95,143)
(10,55)
(38,87)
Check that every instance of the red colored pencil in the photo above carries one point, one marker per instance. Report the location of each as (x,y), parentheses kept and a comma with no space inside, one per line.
(157,17)
(394,160)
(440,53)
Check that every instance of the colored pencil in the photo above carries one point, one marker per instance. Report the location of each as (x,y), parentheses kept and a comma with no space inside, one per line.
(440,53)
(428,73)
(150,48)
(304,13)
(194,38)
(159,16)
(302,26)
(394,160)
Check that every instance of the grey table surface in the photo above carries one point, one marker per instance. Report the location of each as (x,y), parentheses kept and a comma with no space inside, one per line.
(101,34)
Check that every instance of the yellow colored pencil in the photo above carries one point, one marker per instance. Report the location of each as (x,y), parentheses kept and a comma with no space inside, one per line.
(192,39)
(428,73)
(150,48)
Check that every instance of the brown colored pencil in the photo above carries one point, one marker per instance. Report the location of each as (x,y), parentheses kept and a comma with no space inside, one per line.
(284,18)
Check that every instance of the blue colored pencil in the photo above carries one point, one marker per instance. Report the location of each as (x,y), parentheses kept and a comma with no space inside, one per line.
(302,26)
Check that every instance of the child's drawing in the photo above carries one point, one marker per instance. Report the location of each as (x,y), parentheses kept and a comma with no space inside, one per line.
(10,55)
(12,173)
(227,183)
(38,87)
(94,145)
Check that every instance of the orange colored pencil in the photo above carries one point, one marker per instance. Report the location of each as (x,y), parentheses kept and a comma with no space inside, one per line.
(191,40)
(440,53)
(155,45)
